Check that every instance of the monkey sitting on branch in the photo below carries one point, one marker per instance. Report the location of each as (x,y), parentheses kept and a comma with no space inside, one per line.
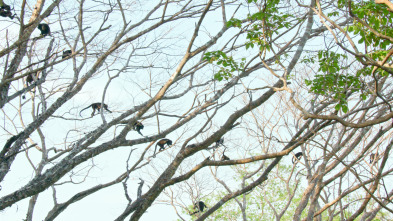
(199,207)
(224,157)
(5,11)
(66,54)
(44,28)
(297,157)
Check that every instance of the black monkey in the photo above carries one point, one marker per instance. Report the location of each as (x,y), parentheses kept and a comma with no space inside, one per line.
(162,143)
(199,207)
(219,142)
(140,188)
(138,126)
(44,28)
(191,146)
(95,106)
(224,157)
(5,11)
(66,53)
(5,7)
(373,157)
(8,144)
(297,157)
(30,78)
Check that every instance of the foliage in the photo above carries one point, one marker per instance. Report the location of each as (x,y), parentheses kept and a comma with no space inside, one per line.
(333,83)
(228,65)
(257,208)
(265,24)
(337,85)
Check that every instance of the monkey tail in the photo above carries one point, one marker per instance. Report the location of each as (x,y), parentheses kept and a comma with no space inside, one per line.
(80,113)
(154,154)
(8,144)
(223,152)
(193,213)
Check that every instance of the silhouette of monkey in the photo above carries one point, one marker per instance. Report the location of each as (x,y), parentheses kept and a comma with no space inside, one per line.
(162,143)
(66,53)
(44,28)
(199,206)
(297,157)
(219,142)
(5,11)
(95,106)
(30,78)
(224,157)
(138,126)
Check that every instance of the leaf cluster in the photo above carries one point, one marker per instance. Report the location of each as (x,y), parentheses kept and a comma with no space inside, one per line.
(333,83)
(378,18)
(265,23)
(226,63)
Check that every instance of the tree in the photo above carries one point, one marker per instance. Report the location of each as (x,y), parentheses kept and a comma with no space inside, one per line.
(251,72)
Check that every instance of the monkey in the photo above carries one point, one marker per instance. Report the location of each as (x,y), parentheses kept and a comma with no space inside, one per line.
(199,207)
(219,142)
(140,188)
(30,78)
(191,146)
(66,53)
(224,157)
(373,157)
(8,144)
(44,28)
(162,143)
(5,11)
(5,7)
(138,126)
(7,14)
(95,106)
(297,157)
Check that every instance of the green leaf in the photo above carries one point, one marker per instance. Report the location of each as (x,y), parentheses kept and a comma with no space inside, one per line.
(344,108)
